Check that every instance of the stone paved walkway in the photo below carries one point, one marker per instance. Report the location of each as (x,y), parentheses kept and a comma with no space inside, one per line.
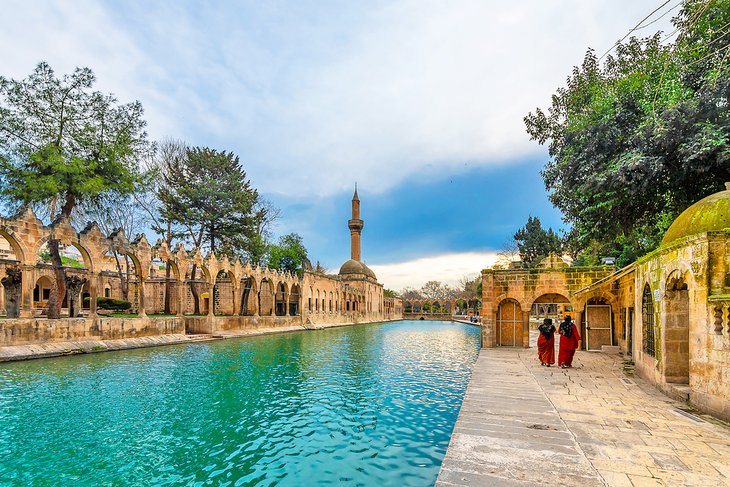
(522,425)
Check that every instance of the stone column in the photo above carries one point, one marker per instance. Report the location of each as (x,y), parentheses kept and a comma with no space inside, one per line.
(142,313)
(236,308)
(286,303)
(211,301)
(180,286)
(26,293)
(93,285)
(74,285)
(579,324)
(12,282)
(526,329)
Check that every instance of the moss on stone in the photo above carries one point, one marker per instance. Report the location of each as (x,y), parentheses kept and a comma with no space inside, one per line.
(710,214)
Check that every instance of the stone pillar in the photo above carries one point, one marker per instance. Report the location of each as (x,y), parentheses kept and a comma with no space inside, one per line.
(487,311)
(286,303)
(12,282)
(254,298)
(180,286)
(142,313)
(93,292)
(236,299)
(26,293)
(74,285)
(526,329)
(579,324)
(211,301)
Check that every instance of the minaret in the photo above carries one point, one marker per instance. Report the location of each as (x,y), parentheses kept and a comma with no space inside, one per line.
(355,225)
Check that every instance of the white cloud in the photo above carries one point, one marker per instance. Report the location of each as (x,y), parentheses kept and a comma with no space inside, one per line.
(446,268)
(313,100)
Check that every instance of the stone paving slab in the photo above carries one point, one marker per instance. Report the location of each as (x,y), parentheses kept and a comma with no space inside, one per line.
(525,425)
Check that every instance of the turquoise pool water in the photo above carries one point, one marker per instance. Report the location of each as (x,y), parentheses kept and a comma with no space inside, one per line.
(363,405)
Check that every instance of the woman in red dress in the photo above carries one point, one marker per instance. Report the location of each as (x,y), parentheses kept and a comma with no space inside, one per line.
(546,343)
(569,338)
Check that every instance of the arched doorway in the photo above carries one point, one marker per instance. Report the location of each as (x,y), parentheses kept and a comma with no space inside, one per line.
(676,330)
(509,324)
(42,293)
(294,300)
(223,294)
(266,298)
(280,299)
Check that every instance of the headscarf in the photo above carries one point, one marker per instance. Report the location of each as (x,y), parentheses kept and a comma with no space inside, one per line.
(566,327)
(547,328)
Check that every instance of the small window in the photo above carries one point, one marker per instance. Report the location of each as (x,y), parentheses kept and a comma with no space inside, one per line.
(107,292)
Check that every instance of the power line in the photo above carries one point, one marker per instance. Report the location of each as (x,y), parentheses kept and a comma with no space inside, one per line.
(637,26)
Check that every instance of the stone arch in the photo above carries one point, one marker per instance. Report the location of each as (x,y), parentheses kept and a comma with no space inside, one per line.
(675,327)
(172,287)
(407,307)
(550,305)
(248,294)
(282,293)
(197,287)
(223,293)
(295,297)
(509,323)
(42,292)
(18,249)
(266,297)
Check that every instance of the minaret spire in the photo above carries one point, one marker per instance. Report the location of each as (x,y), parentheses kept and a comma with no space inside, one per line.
(355,225)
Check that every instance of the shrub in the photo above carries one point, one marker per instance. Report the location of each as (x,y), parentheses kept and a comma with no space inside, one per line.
(110,303)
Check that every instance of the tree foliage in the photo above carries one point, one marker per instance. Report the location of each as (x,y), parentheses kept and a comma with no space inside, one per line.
(208,194)
(535,243)
(635,140)
(63,145)
(289,254)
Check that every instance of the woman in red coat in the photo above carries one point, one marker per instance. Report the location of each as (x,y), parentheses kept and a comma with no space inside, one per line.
(546,343)
(569,338)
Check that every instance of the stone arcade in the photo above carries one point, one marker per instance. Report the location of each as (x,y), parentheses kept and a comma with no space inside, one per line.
(230,295)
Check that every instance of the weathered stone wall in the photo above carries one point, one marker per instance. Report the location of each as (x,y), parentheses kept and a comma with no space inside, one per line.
(692,326)
(526,286)
(34,330)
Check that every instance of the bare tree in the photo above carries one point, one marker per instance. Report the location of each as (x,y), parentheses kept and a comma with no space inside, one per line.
(508,254)
(168,153)
(410,293)
(114,213)
(319,268)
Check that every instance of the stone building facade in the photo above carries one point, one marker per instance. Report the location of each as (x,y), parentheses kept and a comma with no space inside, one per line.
(669,311)
(229,295)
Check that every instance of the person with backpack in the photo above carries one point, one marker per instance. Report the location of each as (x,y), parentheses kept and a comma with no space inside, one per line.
(569,338)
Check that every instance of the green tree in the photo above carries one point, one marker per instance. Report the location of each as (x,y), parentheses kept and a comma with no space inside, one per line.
(64,146)
(637,139)
(535,243)
(289,254)
(207,193)
(389,293)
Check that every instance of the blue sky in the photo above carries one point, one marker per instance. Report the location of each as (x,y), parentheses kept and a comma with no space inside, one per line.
(419,102)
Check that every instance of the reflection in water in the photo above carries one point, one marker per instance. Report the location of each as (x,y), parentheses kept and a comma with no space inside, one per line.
(363,405)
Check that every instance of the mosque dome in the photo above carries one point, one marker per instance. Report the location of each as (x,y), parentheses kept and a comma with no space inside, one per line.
(709,214)
(355,267)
